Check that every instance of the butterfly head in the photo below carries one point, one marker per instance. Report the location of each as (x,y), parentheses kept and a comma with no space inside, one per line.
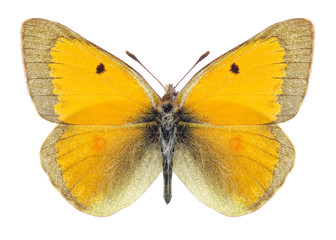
(167,100)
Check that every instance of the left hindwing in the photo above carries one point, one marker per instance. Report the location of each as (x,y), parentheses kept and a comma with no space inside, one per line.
(233,169)
(262,81)
(101,169)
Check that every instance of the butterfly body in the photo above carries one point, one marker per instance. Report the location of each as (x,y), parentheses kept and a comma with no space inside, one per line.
(167,130)
(167,117)
(219,134)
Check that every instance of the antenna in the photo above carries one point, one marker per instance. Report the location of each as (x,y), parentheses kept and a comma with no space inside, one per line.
(204,55)
(131,55)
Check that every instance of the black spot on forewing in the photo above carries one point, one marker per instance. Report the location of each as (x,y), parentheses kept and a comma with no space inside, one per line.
(100,68)
(234,68)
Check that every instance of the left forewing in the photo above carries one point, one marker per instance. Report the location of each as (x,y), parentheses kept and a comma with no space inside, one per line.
(73,81)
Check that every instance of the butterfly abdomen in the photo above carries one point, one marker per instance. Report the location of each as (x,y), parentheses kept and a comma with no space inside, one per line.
(167,131)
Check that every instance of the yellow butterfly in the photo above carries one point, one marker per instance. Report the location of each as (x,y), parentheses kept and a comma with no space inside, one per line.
(219,134)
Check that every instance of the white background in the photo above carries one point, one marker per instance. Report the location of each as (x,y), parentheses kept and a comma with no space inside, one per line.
(168,37)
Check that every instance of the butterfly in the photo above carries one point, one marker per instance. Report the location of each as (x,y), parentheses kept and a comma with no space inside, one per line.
(219,134)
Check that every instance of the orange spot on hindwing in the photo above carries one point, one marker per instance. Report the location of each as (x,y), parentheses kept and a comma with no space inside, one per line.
(236,143)
(99,143)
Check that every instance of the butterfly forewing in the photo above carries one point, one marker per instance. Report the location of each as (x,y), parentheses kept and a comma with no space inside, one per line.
(73,81)
(262,81)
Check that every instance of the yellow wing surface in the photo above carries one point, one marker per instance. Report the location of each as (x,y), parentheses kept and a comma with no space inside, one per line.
(101,169)
(261,81)
(73,81)
(102,159)
(233,169)
(232,158)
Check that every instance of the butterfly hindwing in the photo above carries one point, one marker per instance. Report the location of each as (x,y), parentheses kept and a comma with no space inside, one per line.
(101,169)
(261,81)
(73,81)
(233,169)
